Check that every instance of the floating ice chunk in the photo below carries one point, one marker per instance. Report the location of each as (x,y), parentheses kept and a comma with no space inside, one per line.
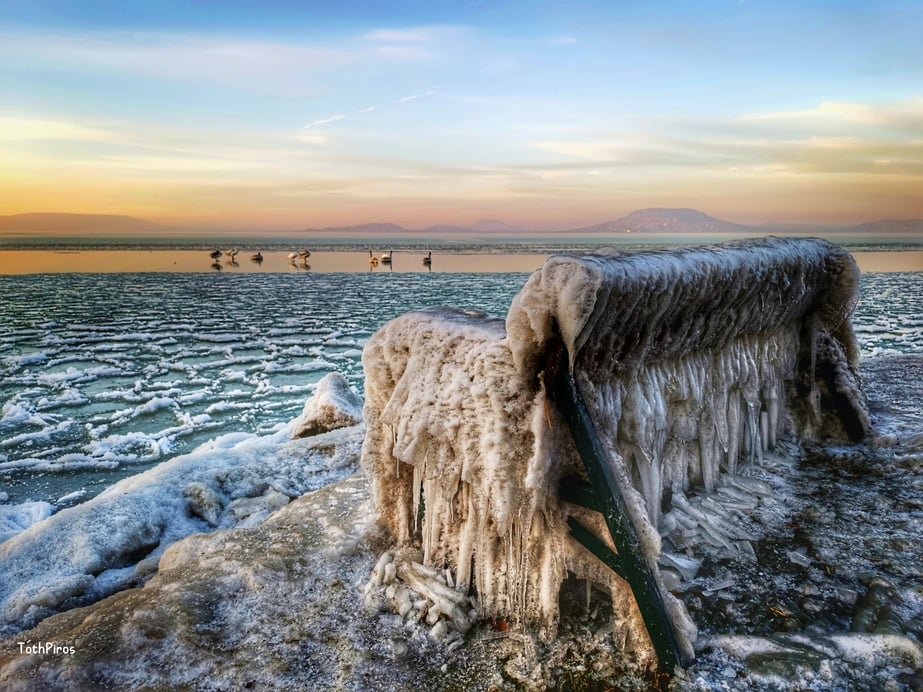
(71,498)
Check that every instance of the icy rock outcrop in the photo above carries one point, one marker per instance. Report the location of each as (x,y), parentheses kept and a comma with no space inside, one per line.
(691,362)
(333,405)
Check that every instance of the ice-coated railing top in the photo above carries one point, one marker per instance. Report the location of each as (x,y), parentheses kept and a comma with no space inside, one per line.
(617,310)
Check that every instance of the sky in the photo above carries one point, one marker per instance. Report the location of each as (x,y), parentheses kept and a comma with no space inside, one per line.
(282,115)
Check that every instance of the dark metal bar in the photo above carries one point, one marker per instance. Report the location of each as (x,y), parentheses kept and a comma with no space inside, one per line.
(578,492)
(634,569)
(594,544)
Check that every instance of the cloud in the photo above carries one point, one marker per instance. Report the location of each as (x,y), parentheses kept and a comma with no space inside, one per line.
(404,52)
(324,121)
(418,35)
(251,65)
(414,97)
(893,114)
(18,129)
(311,138)
(367,109)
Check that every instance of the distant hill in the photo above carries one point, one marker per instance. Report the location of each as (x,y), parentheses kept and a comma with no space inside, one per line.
(671,221)
(370,228)
(85,224)
(665,221)
(446,228)
(494,226)
(888,227)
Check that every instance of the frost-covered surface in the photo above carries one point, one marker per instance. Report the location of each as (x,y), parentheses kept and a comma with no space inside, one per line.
(86,552)
(693,362)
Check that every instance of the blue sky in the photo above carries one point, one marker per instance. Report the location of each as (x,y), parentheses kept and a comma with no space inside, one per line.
(545,114)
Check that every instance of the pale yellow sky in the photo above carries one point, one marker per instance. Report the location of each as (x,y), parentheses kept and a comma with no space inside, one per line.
(243,121)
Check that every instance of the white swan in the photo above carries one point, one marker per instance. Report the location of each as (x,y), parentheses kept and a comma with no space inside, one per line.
(386,257)
(373,260)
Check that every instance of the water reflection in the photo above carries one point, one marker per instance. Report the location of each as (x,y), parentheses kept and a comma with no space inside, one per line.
(191,261)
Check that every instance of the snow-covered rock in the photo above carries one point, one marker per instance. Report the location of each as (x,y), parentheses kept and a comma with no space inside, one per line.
(333,405)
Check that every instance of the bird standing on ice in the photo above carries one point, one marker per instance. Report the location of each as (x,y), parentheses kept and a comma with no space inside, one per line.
(428,260)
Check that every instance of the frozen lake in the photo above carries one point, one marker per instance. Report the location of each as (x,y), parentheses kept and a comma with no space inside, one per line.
(103,375)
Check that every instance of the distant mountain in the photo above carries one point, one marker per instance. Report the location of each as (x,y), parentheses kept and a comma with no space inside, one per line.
(394,229)
(665,221)
(370,228)
(446,228)
(85,224)
(494,226)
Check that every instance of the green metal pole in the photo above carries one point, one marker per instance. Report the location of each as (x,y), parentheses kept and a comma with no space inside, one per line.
(634,568)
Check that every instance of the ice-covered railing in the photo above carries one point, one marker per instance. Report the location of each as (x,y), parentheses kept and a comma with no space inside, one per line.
(689,361)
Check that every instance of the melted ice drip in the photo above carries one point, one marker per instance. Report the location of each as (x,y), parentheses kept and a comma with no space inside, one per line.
(691,362)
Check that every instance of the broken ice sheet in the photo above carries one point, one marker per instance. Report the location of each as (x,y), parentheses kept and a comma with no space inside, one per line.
(687,566)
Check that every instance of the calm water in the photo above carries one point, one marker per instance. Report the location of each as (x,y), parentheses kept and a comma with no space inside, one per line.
(104,375)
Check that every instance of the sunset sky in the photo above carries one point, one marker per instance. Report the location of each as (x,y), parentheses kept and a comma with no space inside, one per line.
(284,115)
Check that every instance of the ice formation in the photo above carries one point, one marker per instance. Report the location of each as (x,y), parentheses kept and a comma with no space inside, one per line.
(692,362)
(84,553)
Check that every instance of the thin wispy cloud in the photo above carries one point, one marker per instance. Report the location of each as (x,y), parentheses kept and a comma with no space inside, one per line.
(324,121)
(414,97)
(367,109)
(418,35)
(22,129)
(408,52)
(252,65)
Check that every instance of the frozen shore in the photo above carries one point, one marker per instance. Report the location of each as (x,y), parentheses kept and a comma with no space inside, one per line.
(833,601)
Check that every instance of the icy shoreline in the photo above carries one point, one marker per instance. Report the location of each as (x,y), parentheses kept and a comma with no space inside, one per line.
(84,553)
(832,601)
